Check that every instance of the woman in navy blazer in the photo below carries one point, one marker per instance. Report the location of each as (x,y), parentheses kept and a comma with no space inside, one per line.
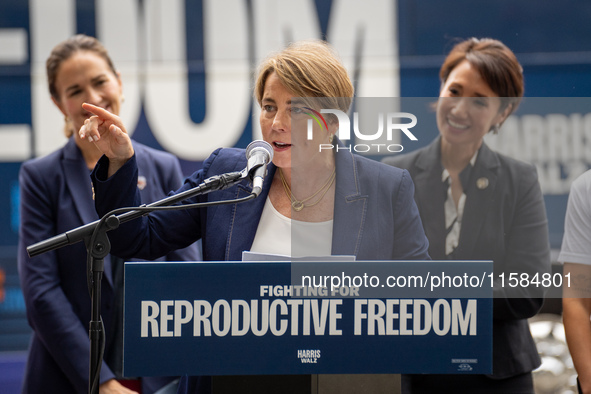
(375,216)
(57,196)
(477,204)
(348,205)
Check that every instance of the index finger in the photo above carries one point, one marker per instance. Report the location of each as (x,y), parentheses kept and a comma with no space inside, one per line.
(100,112)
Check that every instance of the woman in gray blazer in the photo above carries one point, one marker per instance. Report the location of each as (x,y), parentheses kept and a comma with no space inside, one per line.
(476,204)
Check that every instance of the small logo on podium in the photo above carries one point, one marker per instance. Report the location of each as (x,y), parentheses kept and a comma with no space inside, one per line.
(464,363)
(309,356)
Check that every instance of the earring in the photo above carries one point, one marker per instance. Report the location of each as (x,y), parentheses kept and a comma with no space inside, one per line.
(330,138)
(66,119)
(122,99)
(496,128)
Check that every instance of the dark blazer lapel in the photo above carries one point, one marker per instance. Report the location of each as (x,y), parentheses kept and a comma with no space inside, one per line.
(77,179)
(245,216)
(350,206)
(479,200)
(430,198)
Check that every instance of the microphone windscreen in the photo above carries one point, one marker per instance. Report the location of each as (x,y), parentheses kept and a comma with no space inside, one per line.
(259,145)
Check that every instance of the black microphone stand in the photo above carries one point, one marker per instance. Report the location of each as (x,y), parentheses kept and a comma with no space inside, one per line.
(98,247)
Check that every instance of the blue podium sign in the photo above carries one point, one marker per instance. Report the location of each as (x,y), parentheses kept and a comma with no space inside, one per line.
(259,318)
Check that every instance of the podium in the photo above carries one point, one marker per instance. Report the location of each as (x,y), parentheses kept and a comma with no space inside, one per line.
(266,325)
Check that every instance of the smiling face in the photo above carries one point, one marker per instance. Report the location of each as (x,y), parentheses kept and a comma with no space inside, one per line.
(284,126)
(468,108)
(85,77)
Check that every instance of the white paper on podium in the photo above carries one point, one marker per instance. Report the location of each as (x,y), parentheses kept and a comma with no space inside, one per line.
(253,256)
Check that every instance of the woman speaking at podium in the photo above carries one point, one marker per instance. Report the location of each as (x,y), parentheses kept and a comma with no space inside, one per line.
(313,202)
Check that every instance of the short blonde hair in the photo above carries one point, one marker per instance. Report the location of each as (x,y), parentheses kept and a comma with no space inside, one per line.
(309,69)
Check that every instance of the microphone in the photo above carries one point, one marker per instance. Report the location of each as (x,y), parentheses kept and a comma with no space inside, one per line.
(259,153)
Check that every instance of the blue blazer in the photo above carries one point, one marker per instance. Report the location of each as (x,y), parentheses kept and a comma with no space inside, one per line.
(504,221)
(375,216)
(56,196)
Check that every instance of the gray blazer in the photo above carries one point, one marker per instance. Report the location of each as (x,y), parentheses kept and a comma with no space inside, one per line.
(504,221)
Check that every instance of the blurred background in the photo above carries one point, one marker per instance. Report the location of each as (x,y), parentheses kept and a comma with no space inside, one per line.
(187,69)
